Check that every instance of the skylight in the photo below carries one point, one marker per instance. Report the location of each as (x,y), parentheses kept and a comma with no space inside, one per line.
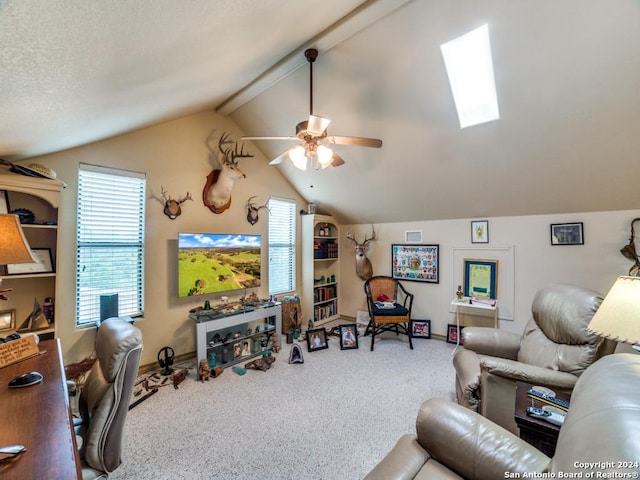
(470,70)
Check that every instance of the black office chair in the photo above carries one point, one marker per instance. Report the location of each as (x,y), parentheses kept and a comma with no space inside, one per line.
(105,395)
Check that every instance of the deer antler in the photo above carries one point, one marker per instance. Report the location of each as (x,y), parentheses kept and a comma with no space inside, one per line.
(185,198)
(163,192)
(367,240)
(350,237)
(231,153)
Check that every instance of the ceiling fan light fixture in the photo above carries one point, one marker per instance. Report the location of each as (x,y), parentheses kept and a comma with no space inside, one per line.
(325,155)
(298,157)
(317,125)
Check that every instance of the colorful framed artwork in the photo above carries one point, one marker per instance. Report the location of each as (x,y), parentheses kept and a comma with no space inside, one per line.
(316,339)
(480,231)
(348,336)
(480,278)
(420,328)
(415,263)
(567,234)
(454,333)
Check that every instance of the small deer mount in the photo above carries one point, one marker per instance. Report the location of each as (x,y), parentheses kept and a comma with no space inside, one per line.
(216,194)
(629,251)
(363,264)
(172,208)
(252,210)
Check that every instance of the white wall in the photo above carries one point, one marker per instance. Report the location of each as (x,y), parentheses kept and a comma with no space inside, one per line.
(596,264)
(174,156)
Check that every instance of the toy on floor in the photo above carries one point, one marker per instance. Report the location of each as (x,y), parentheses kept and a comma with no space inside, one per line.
(263,363)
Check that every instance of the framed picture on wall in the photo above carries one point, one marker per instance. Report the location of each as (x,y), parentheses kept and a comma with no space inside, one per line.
(480,231)
(416,263)
(480,278)
(567,234)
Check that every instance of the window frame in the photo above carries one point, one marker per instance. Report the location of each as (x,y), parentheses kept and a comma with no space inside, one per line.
(96,205)
(290,244)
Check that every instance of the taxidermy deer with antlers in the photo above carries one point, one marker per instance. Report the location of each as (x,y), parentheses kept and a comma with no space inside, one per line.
(172,207)
(363,265)
(253,209)
(216,194)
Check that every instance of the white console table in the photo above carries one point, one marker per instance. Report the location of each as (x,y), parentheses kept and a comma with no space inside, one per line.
(474,315)
(205,325)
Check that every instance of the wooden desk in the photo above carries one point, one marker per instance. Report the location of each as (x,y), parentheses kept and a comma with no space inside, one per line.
(39,418)
(537,432)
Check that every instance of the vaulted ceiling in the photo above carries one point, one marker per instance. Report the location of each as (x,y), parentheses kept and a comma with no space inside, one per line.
(567,76)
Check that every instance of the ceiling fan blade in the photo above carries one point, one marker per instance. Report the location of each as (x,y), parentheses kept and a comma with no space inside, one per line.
(337,160)
(358,141)
(267,138)
(317,125)
(279,158)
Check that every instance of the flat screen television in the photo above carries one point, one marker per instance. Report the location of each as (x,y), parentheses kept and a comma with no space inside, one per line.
(213,262)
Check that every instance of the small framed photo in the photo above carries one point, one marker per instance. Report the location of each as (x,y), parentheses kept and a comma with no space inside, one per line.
(567,234)
(480,231)
(416,263)
(348,336)
(8,320)
(44,263)
(453,333)
(317,339)
(420,328)
(4,202)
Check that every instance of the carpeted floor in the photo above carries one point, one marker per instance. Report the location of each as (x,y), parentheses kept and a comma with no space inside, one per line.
(333,417)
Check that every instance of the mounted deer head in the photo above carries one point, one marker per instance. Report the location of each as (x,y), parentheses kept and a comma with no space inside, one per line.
(172,207)
(216,194)
(253,209)
(363,265)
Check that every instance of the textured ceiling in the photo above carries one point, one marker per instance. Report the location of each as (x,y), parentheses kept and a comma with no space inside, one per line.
(567,73)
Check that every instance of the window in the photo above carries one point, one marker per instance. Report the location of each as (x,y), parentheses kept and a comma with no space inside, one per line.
(470,70)
(110,242)
(282,246)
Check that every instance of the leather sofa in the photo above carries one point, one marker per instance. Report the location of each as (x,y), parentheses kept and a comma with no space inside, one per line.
(599,438)
(553,351)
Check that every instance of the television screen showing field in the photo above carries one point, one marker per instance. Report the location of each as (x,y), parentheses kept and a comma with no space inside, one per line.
(209,263)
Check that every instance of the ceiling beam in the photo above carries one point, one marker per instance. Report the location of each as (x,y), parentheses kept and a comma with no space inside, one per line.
(358,19)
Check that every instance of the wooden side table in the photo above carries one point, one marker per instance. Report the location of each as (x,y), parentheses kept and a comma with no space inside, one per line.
(537,432)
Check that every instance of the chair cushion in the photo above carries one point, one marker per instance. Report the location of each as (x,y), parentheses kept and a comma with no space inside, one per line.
(397,311)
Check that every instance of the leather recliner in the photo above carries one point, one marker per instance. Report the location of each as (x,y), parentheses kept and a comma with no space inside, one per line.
(105,396)
(553,351)
(599,437)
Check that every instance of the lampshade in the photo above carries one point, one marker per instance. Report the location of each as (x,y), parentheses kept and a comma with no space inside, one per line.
(14,247)
(325,155)
(298,156)
(618,318)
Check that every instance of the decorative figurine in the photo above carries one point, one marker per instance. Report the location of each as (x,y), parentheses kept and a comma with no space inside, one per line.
(203,371)
(459,293)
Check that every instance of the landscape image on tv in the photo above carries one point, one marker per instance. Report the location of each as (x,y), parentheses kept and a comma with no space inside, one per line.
(211,262)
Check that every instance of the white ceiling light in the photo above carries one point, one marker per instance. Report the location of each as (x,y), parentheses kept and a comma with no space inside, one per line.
(470,69)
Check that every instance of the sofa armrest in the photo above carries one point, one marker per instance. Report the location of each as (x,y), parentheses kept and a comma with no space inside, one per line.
(471,445)
(467,366)
(403,462)
(528,373)
(492,341)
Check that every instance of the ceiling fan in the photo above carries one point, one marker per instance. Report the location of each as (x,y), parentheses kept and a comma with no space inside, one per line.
(313,134)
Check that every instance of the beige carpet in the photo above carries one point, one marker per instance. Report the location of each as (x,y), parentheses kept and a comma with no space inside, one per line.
(333,417)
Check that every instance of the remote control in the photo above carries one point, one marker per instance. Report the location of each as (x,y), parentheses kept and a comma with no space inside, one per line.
(550,417)
(556,402)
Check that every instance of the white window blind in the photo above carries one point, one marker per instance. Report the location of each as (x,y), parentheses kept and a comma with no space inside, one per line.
(110,241)
(282,246)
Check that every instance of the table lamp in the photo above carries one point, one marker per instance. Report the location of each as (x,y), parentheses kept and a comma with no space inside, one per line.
(14,247)
(618,317)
